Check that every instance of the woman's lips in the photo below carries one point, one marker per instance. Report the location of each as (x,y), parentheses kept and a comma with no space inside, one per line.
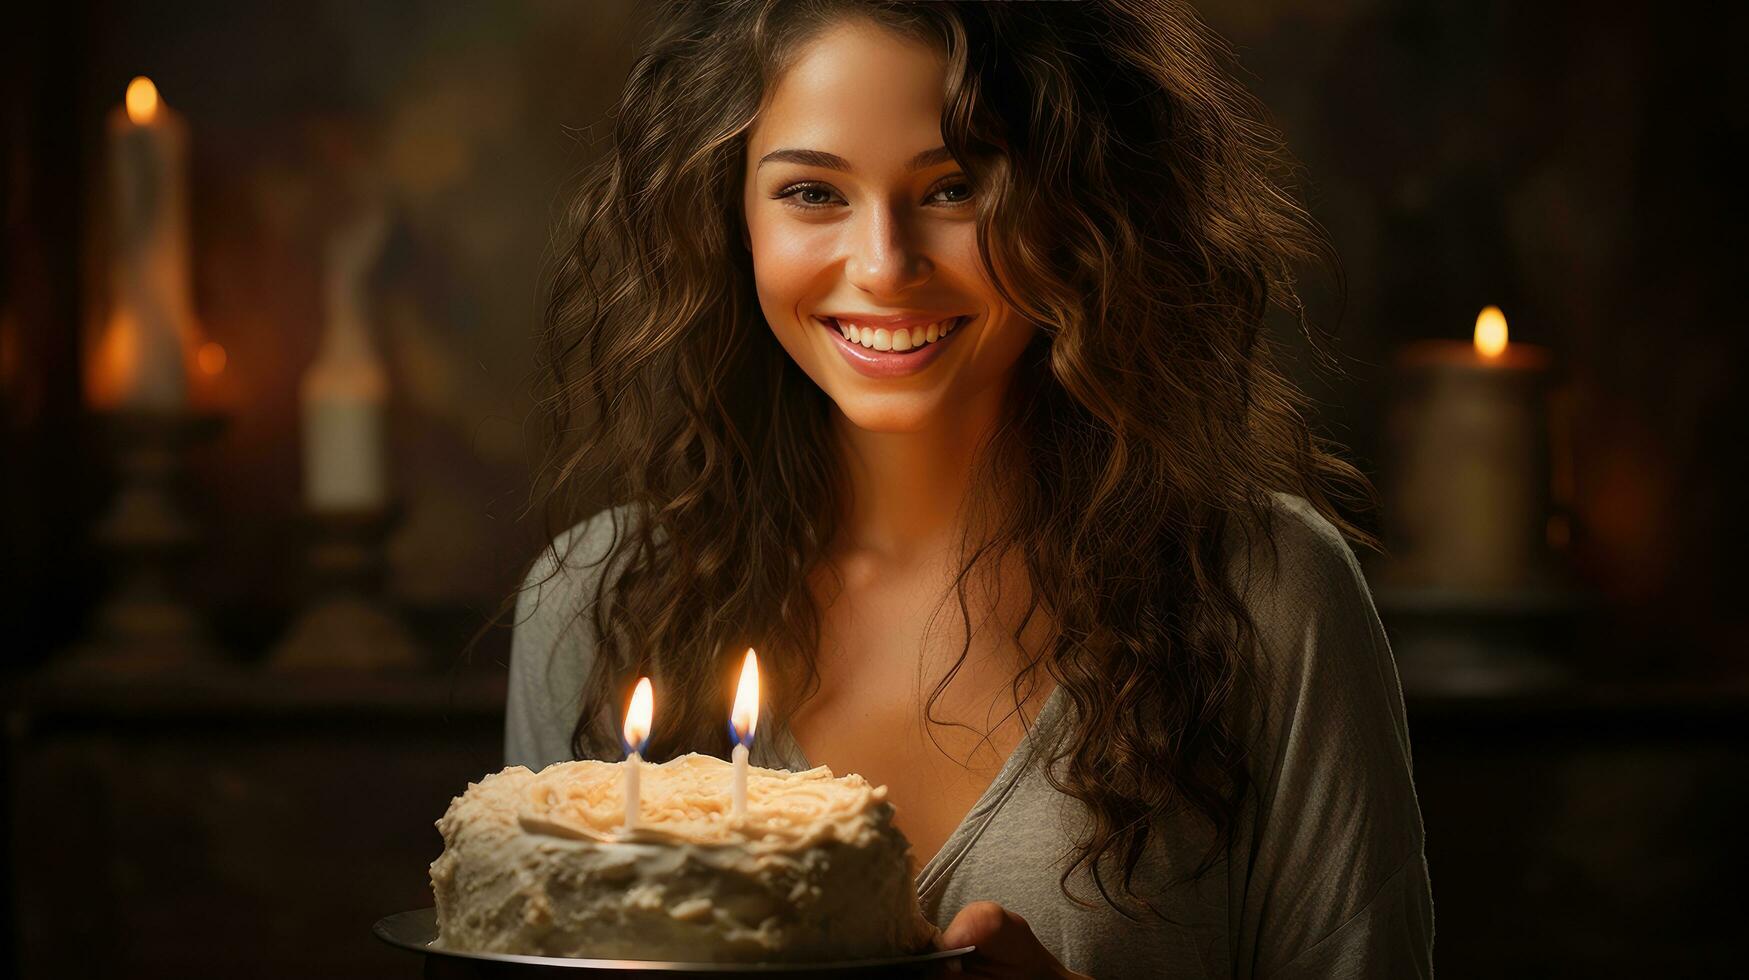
(873,363)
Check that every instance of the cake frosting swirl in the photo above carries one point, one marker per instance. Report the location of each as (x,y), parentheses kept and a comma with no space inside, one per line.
(539,863)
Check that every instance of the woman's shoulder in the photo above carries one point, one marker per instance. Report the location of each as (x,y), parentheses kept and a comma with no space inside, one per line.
(550,628)
(1329,754)
(1291,566)
(1318,629)
(565,573)
(552,649)
(1292,545)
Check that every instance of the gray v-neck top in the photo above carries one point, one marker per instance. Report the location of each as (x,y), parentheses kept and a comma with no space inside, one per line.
(1326,876)
(932,876)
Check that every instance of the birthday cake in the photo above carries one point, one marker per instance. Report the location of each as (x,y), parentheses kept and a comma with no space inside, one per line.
(541,863)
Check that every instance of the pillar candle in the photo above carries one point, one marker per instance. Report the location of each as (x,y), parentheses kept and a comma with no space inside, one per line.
(1467,492)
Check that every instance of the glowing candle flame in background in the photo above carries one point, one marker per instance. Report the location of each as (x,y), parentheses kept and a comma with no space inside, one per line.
(745,714)
(1490,332)
(142,100)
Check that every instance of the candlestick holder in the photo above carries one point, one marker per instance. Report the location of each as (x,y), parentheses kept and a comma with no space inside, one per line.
(348,625)
(142,624)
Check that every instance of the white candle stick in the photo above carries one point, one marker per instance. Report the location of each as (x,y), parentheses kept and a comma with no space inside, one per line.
(739,785)
(742,721)
(633,764)
(637,733)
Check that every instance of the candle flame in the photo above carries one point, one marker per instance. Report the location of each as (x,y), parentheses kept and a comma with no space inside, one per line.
(142,100)
(640,715)
(1491,332)
(746,712)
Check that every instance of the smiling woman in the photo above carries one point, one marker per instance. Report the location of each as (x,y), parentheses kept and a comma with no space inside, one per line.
(858,250)
(890,246)
(876,311)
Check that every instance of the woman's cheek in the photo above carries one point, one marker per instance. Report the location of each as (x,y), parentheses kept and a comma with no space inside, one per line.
(788,264)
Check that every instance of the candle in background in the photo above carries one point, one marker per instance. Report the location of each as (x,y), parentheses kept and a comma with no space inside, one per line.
(637,734)
(1468,498)
(140,362)
(345,390)
(742,720)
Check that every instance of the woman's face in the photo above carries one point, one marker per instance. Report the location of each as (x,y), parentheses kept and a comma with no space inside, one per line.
(860,221)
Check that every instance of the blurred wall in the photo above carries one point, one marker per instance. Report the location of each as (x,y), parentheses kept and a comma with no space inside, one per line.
(469,121)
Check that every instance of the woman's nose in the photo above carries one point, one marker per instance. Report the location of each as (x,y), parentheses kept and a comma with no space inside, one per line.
(885,259)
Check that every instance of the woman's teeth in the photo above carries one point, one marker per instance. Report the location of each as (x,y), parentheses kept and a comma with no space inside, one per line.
(900,339)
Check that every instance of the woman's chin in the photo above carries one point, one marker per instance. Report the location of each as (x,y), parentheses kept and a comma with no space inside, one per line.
(890,413)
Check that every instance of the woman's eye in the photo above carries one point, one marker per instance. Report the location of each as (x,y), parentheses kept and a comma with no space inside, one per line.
(806,197)
(962,187)
(815,197)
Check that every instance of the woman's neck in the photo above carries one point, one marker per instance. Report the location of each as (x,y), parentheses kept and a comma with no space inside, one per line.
(909,490)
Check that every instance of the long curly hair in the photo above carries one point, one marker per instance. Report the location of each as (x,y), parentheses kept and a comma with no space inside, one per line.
(1132,204)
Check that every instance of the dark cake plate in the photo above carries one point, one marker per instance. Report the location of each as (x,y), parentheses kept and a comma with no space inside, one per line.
(417,930)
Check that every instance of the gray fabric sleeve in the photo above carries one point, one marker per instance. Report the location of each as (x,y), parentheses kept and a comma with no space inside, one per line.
(552,647)
(1337,884)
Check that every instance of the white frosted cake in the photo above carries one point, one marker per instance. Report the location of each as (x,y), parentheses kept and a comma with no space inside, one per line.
(539,863)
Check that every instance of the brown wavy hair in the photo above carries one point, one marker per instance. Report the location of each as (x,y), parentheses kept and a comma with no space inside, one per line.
(1131,202)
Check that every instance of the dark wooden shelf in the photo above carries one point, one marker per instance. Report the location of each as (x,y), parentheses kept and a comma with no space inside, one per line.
(1648,708)
(257,695)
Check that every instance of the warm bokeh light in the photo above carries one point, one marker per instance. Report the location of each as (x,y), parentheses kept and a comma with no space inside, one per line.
(211,357)
(1491,332)
(640,715)
(115,364)
(746,712)
(142,100)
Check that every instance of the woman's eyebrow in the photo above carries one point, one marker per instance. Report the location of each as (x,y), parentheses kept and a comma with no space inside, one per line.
(832,161)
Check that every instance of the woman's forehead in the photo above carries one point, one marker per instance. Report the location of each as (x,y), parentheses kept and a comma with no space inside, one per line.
(856,88)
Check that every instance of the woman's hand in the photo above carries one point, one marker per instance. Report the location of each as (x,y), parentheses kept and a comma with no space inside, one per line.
(1007,949)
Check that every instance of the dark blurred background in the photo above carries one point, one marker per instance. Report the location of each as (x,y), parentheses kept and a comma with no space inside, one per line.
(241,792)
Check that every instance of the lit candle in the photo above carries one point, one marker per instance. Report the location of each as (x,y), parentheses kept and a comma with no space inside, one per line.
(741,723)
(140,360)
(1469,474)
(637,735)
